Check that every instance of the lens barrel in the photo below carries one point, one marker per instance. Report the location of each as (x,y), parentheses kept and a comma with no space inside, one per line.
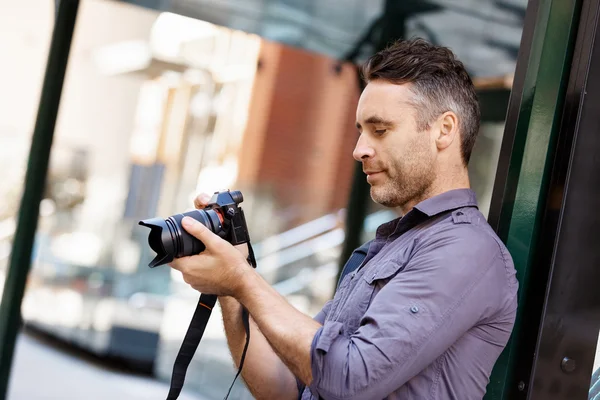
(169,240)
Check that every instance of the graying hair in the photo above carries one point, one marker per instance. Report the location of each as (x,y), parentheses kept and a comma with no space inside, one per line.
(438,81)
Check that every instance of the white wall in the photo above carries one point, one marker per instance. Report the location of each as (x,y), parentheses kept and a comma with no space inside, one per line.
(96,111)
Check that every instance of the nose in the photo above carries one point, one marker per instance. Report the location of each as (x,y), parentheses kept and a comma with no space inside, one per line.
(363,149)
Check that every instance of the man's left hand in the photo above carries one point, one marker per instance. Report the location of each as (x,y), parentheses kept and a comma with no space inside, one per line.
(218,270)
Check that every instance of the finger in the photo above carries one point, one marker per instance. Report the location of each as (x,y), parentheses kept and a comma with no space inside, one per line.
(202,200)
(176,264)
(201,232)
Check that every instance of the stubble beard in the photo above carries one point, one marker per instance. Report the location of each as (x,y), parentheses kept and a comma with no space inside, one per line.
(409,183)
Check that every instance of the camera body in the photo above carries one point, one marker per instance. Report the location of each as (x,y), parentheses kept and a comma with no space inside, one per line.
(223,216)
(234,229)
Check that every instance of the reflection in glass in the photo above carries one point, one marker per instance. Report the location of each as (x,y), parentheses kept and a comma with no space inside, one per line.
(595,382)
(484,33)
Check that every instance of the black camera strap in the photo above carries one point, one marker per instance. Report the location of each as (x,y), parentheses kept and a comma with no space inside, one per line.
(190,343)
(194,335)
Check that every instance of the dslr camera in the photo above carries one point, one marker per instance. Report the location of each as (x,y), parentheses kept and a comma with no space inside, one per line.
(223,216)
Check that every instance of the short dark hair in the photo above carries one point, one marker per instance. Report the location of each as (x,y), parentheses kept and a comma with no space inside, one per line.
(439,81)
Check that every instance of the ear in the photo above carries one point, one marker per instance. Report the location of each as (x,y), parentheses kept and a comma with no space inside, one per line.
(447,131)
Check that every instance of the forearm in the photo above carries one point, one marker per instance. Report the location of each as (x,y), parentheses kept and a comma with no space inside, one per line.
(288,331)
(266,376)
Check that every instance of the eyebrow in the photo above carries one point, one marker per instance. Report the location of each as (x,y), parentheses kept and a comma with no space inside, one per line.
(375,120)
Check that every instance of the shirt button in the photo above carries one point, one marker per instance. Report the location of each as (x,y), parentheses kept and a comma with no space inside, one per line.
(414,309)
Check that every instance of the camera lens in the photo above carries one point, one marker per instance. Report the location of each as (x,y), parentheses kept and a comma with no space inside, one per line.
(169,240)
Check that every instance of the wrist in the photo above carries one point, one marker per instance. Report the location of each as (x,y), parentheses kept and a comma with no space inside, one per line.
(226,301)
(243,278)
(246,282)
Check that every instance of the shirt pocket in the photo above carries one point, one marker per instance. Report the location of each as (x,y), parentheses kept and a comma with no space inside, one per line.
(378,277)
(361,296)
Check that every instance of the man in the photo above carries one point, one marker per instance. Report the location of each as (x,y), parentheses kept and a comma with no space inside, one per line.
(433,305)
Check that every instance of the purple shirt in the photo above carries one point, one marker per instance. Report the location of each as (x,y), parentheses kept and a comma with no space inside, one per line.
(425,316)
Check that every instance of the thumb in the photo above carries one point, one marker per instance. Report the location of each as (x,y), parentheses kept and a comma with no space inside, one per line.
(201,232)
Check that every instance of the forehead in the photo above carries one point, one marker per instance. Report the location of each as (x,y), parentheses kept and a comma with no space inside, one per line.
(384,99)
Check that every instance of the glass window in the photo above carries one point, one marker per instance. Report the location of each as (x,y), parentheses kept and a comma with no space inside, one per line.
(595,384)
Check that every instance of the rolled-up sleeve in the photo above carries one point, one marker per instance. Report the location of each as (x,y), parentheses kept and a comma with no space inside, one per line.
(320,318)
(442,292)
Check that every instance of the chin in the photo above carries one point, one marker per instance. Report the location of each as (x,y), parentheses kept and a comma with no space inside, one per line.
(383,197)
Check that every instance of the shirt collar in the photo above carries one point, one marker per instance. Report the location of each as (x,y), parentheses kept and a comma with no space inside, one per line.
(446,201)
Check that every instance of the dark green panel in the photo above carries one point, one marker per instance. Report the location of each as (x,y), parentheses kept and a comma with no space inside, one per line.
(493,104)
(35,178)
(531,155)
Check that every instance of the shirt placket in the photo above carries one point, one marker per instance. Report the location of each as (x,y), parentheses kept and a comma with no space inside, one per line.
(350,288)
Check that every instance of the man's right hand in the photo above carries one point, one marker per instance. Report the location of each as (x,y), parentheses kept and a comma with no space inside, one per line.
(266,376)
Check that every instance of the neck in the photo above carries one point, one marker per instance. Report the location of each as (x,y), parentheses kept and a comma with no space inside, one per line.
(444,182)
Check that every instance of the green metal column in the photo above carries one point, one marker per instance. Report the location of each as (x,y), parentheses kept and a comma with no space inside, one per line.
(547,69)
(356,212)
(35,179)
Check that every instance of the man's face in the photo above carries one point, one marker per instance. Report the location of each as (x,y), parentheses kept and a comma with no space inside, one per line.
(398,159)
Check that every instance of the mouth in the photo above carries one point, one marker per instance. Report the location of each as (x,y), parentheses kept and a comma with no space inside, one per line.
(372,176)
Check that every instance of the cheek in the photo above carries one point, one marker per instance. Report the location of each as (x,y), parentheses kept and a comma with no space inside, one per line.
(421,148)
(428,141)
(410,159)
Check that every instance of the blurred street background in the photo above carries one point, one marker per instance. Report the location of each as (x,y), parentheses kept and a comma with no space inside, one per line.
(47,369)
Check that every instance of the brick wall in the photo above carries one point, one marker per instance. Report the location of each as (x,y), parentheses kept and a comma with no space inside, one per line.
(300,134)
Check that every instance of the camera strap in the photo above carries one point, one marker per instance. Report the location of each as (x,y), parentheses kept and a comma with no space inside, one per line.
(194,335)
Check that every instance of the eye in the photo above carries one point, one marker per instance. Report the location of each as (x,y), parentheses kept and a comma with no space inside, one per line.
(380,131)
